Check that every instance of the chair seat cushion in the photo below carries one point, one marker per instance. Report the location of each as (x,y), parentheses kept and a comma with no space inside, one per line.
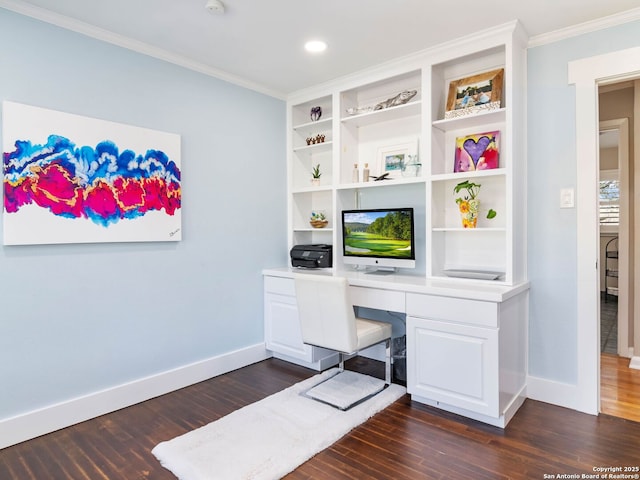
(371,332)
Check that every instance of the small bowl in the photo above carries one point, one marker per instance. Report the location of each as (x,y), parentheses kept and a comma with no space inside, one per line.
(319,223)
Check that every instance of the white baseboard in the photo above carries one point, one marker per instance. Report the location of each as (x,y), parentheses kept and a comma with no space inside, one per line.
(635,363)
(557,393)
(500,421)
(54,417)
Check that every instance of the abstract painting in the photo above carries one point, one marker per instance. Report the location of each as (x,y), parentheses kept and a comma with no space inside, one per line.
(477,152)
(74,179)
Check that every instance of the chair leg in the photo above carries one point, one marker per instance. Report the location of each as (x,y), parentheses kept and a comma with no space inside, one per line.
(387,362)
(341,363)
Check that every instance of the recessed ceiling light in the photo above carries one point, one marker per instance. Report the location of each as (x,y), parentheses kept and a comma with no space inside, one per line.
(215,6)
(315,46)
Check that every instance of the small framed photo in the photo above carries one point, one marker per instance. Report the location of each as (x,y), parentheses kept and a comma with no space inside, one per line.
(479,151)
(391,159)
(475,94)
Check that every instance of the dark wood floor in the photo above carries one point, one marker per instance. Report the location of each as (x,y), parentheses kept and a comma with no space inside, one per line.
(407,441)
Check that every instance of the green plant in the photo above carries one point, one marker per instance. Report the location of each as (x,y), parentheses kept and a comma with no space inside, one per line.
(472,190)
(316,171)
(318,216)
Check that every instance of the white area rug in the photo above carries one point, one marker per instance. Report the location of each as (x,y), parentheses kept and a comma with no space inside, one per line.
(269,438)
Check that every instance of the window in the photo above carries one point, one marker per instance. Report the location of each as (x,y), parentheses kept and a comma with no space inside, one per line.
(609,200)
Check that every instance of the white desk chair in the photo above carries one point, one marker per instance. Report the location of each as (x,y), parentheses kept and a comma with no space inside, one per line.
(327,320)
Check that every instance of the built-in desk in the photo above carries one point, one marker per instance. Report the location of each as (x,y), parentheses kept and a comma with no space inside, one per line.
(466,341)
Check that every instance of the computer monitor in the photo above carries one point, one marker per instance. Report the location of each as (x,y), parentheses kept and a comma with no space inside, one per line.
(382,237)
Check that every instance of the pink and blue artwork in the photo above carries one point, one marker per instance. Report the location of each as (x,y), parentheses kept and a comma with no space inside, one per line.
(75,179)
(477,152)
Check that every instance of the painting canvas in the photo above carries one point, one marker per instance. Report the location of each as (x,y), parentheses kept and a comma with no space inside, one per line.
(74,179)
(479,151)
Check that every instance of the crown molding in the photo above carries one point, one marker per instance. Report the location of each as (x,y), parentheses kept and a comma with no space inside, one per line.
(586,27)
(185,62)
(131,44)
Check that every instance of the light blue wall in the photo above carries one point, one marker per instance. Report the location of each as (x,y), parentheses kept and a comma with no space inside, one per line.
(552,165)
(75,319)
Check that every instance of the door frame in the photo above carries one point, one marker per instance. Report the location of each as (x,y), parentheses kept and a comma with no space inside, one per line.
(587,75)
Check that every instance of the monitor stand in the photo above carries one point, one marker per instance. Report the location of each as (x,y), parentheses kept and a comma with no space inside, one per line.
(381,271)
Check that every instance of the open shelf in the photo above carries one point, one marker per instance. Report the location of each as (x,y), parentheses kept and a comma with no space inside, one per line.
(357,136)
(385,115)
(476,120)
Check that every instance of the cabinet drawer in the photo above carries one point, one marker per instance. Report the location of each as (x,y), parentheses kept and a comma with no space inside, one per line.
(282,286)
(459,310)
(389,300)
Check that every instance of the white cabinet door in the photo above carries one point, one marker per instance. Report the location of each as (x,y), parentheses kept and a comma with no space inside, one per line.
(282,327)
(454,364)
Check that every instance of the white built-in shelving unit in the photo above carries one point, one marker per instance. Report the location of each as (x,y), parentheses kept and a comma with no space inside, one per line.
(465,336)
(355,133)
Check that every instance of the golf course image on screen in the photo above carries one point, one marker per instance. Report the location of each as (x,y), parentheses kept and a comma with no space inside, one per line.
(384,233)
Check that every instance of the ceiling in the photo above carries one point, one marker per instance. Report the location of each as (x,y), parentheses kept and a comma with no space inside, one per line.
(259,43)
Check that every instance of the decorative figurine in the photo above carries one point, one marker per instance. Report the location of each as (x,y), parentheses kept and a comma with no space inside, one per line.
(316,113)
(384,176)
(400,99)
(319,138)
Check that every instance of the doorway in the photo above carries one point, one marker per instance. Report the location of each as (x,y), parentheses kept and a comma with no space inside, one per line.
(588,75)
(614,187)
(617,388)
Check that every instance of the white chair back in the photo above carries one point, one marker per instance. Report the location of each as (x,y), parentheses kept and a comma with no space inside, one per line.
(326,312)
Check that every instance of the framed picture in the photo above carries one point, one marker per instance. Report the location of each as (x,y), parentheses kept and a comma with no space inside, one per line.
(475,94)
(391,159)
(479,151)
(74,179)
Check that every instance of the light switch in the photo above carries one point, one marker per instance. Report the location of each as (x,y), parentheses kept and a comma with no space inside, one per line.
(567,198)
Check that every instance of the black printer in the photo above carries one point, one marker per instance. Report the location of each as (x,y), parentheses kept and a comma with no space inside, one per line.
(312,256)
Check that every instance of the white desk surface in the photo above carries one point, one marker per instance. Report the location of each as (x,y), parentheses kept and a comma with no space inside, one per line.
(469,289)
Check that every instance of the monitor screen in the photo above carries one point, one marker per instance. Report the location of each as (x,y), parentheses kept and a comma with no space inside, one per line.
(382,237)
